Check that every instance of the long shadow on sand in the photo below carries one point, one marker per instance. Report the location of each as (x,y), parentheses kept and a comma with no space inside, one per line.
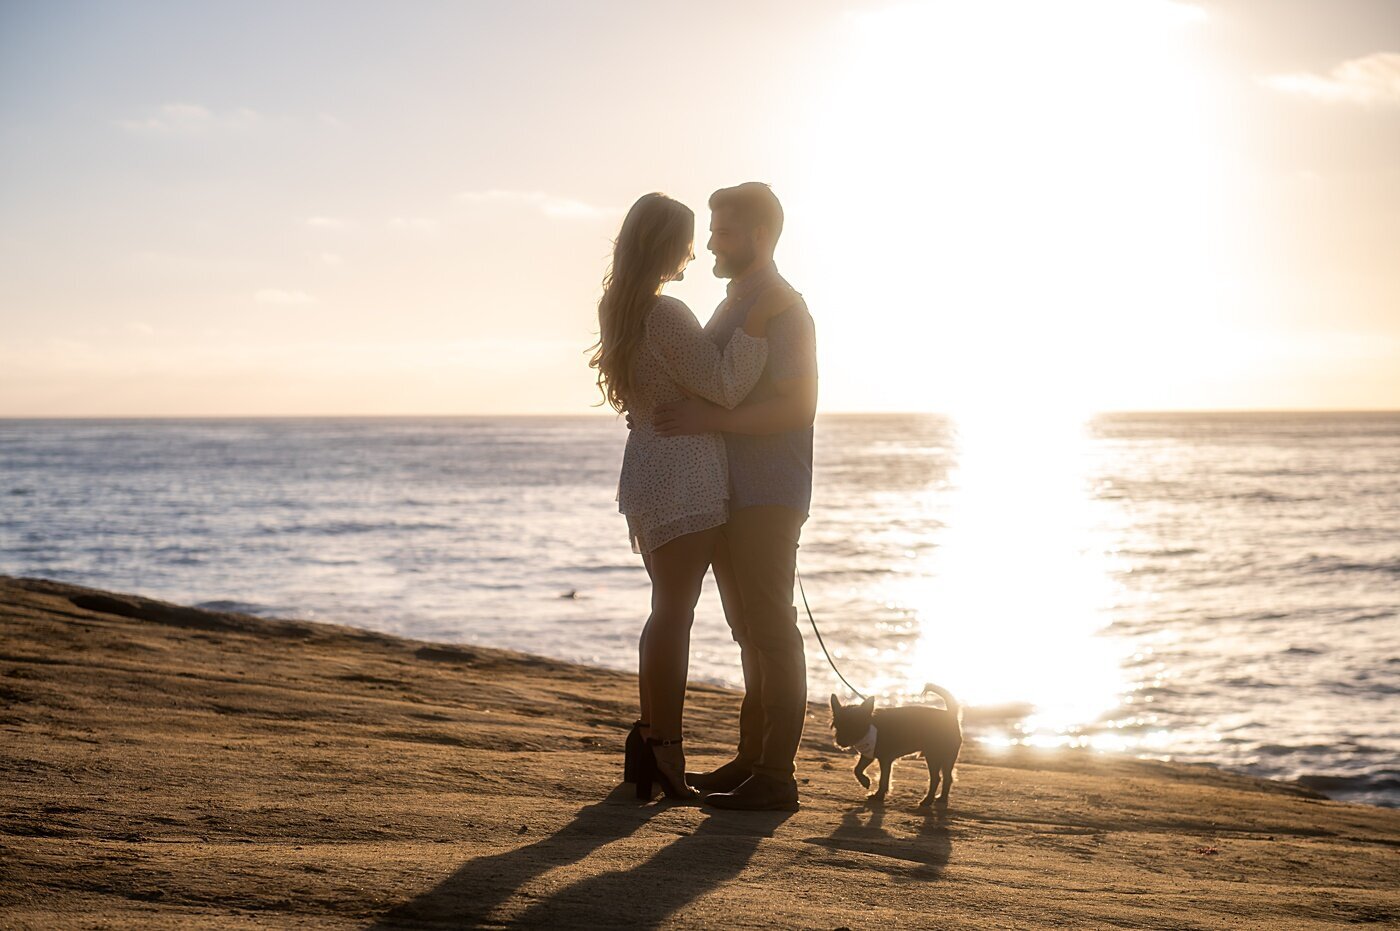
(642,896)
(924,856)
(468,896)
(647,894)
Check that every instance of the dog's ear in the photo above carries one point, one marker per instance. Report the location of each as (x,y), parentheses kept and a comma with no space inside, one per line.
(835,703)
(869,703)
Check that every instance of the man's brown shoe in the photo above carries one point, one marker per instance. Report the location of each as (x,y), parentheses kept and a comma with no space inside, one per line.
(726,778)
(758,793)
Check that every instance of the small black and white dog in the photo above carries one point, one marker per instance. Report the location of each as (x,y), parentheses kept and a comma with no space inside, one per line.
(886,734)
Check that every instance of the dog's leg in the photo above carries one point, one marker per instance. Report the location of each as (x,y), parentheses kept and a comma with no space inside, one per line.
(932,780)
(947,779)
(879,794)
(861,764)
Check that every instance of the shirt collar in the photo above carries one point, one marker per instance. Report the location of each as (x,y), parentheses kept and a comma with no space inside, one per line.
(752,280)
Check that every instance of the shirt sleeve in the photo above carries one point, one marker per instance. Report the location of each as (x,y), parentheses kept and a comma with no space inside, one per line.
(695,363)
(792,345)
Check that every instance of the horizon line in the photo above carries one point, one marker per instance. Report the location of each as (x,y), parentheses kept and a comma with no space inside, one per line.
(20,418)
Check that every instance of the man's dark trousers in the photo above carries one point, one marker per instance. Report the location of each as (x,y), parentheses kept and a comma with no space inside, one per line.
(754,566)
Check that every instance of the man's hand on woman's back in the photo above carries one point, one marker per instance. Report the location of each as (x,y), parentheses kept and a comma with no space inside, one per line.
(686,417)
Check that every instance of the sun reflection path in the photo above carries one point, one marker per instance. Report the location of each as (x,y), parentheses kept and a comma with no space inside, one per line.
(1011,602)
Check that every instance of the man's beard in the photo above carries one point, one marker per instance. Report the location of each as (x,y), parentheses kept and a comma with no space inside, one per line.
(730,265)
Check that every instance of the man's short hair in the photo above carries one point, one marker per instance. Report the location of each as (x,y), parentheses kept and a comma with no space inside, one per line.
(755,204)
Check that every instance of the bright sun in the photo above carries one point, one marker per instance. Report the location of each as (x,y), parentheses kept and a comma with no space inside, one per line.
(1016,206)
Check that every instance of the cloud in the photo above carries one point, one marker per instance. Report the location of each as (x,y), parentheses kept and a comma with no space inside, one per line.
(562,208)
(1370,81)
(191,119)
(278,296)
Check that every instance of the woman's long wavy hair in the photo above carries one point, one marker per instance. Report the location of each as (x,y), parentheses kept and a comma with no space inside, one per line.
(652,248)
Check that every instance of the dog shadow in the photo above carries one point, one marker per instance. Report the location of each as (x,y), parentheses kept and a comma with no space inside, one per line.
(934,814)
(479,886)
(922,855)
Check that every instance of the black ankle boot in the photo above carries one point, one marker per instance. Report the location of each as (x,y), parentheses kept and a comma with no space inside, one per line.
(725,779)
(758,793)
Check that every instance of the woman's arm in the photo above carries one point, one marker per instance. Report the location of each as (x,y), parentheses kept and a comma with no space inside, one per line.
(693,361)
(791,405)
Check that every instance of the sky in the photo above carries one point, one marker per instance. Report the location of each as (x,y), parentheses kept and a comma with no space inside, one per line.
(346,208)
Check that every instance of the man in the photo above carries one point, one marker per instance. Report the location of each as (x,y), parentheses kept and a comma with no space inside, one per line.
(769,441)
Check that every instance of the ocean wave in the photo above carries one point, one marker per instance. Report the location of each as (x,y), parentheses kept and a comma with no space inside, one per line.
(1272,497)
(1281,473)
(1290,749)
(1267,616)
(306,560)
(1363,749)
(34,550)
(1247,682)
(1338,565)
(1370,616)
(337,528)
(1362,686)
(1159,692)
(598,568)
(1381,787)
(229,606)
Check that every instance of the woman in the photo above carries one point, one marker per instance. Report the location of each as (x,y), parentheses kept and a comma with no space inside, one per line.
(673,490)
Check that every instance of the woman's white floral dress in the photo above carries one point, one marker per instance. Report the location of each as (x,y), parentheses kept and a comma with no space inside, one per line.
(676,485)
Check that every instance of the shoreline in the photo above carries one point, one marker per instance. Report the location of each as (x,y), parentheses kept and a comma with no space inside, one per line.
(975,716)
(167,766)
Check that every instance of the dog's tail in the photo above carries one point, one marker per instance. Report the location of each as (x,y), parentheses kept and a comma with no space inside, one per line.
(947,697)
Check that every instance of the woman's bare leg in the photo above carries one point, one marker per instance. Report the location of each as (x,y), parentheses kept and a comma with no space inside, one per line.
(677,570)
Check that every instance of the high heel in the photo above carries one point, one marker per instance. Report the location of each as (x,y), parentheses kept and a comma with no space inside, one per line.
(634,752)
(646,775)
(668,768)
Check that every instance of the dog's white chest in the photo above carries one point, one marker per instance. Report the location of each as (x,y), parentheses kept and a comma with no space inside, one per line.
(866,745)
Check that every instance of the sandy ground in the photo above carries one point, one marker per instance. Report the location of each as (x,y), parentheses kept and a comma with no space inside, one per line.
(167,767)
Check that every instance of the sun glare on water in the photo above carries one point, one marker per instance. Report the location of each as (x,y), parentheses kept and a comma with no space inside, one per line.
(1019,586)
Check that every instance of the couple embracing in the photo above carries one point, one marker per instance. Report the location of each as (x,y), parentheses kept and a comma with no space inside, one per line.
(717,473)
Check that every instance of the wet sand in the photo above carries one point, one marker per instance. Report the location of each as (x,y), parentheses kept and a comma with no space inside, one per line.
(165,767)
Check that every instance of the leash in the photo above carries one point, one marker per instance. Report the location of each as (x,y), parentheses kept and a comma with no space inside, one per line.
(829,660)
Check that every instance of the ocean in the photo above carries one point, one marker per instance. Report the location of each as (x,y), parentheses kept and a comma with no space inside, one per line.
(1220,588)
